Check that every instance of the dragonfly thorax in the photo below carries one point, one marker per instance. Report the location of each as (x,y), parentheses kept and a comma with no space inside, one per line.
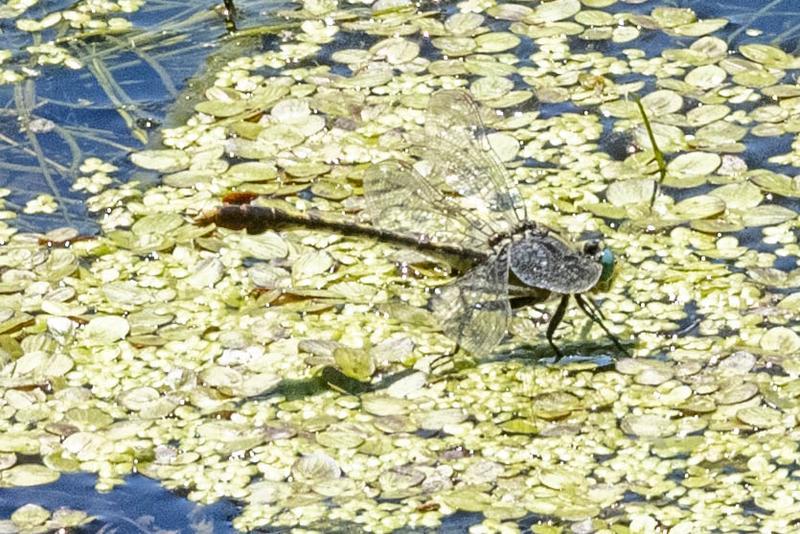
(540,258)
(501,241)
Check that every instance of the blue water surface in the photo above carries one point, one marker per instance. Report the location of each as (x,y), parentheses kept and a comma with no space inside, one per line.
(140,505)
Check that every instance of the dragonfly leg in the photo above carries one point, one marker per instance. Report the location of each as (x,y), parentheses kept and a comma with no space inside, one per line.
(441,360)
(596,316)
(555,320)
(524,297)
(438,365)
(230,15)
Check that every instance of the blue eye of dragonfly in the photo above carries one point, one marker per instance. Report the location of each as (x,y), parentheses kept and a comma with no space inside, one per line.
(607,261)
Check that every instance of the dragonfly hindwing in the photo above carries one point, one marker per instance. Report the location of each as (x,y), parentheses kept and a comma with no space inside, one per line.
(474,309)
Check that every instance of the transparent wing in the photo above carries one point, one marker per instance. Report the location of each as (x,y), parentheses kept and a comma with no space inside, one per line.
(544,261)
(474,310)
(463,161)
(402,200)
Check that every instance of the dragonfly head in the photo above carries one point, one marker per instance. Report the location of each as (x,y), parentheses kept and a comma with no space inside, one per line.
(594,249)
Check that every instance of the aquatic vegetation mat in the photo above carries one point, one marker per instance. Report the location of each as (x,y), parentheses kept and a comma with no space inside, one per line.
(299,372)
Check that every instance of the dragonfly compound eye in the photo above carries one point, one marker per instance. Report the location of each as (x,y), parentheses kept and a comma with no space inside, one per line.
(607,261)
(593,248)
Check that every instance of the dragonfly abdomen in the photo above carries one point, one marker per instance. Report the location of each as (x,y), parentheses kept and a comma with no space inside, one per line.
(259,219)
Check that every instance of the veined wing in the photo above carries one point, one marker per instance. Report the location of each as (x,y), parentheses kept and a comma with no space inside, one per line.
(474,310)
(463,161)
(402,200)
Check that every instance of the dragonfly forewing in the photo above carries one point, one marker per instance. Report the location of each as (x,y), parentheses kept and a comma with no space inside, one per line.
(474,309)
(402,200)
(457,146)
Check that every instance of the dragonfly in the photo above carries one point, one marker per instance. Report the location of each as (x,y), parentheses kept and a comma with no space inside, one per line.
(459,201)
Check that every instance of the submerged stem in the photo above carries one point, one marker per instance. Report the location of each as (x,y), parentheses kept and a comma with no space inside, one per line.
(657,154)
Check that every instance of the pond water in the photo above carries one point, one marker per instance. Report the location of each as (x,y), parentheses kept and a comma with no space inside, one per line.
(157,373)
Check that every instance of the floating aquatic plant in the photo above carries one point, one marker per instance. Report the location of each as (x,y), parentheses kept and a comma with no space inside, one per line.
(291,370)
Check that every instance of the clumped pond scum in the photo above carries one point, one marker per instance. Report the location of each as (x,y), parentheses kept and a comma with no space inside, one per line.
(298,372)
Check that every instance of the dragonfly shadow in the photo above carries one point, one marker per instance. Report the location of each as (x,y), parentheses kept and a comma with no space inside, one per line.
(329,378)
(599,353)
(602,353)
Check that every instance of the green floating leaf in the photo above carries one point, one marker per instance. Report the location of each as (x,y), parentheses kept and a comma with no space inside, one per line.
(489,87)
(496,42)
(165,160)
(706,77)
(662,102)
(767,215)
(331,190)
(400,478)
(28,475)
(468,499)
(106,329)
(648,425)
(30,516)
(315,467)
(781,340)
(696,29)
(699,207)
(703,115)
(668,138)
(693,164)
(554,11)
(767,55)
(266,246)
(519,426)
(309,265)
(755,78)
(159,223)
(354,363)
(762,417)
(513,12)
(554,405)
(463,23)
(668,17)
(455,46)
(251,171)
(341,437)
(736,393)
(222,109)
(742,196)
